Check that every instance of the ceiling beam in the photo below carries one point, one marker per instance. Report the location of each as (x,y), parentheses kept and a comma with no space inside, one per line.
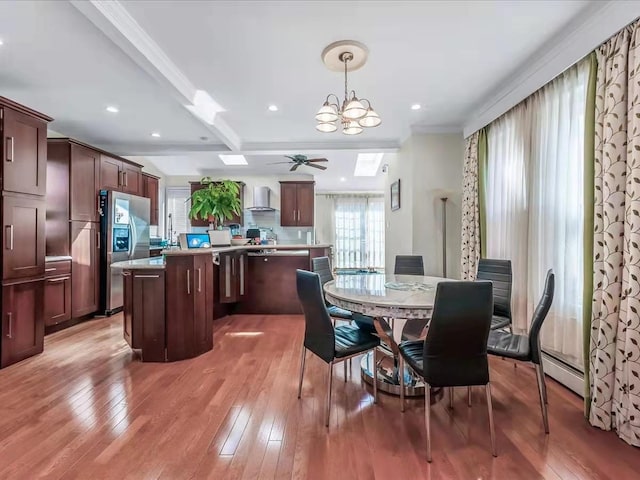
(309,148)
(113,19)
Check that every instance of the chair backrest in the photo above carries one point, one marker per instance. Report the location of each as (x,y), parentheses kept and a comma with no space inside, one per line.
(539,316)
(499,272)
(319,335)
(322,267)
(409,265)
(455,349)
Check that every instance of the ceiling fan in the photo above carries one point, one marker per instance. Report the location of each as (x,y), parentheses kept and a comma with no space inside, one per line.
(303,160)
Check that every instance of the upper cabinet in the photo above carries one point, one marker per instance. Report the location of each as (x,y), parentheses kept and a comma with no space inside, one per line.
(84,185)
(297,200)
(150,190)
(24,152)
(119,175)
(237,219)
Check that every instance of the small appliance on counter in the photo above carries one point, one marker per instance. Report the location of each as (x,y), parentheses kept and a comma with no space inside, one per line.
(220,238)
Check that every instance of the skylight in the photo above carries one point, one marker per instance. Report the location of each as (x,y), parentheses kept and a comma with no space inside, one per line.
(367,164)
(233,159)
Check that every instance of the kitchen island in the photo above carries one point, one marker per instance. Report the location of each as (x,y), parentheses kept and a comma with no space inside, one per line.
(170,302)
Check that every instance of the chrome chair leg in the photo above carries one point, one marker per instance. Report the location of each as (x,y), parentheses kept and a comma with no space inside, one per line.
(344,364)
(329,380)
(450,397)
(544,385)
(302,359)
(492,431)
(427,417)
(469,396)
(401,375)
(541,392)
(375,375)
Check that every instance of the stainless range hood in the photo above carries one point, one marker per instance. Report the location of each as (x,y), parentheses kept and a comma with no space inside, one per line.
(261,200)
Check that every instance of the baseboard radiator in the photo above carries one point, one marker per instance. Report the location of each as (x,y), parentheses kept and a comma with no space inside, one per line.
(565,374)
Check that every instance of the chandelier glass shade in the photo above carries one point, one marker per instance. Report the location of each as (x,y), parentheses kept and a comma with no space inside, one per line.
(353,114)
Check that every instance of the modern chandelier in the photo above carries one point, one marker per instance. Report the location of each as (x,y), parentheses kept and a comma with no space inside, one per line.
(353,115)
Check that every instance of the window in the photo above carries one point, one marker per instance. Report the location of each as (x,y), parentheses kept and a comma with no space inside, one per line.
(359,231)
(534,206)
(178,211)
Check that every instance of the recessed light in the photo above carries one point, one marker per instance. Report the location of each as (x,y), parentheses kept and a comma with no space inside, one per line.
(342,179)
(416,106)
(233,159)
(367,164)
(155,135)
(112,109)
(273,108)
(1,42)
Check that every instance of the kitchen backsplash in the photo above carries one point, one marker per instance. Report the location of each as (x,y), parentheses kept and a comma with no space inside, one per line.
(271,221)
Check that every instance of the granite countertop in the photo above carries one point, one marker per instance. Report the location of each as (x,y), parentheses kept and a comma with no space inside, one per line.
(159,263)
(153,263)
(57,258)
(300,246)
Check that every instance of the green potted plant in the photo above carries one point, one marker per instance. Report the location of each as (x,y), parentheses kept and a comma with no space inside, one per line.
(216,202)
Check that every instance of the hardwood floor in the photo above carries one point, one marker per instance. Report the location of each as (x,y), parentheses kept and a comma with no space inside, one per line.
(88,409)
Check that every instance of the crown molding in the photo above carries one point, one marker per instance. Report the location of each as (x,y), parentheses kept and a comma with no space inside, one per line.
(596,24)
(113,19)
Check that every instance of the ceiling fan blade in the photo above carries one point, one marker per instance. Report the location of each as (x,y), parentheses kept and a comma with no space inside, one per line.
(316,166)
(278,163)
(318,160)
(294,168)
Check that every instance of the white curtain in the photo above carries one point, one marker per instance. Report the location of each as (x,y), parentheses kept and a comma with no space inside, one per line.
(535,211)
(358,230)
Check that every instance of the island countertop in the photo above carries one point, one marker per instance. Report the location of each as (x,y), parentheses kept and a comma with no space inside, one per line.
(156,263)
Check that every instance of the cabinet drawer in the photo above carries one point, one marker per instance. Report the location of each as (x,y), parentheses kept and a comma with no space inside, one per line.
(53,269)
(57,300)
(22,324)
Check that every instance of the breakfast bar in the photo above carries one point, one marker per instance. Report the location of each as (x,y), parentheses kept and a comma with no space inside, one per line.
(170,302)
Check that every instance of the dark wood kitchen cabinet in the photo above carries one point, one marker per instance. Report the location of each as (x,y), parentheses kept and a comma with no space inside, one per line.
(85,268)
(22,321)
(189,310)
(297,203)
(143,293)
(119,175)
(57,293)
(237,219)
(151,191)
(24,152)
(233,276)
(23,240)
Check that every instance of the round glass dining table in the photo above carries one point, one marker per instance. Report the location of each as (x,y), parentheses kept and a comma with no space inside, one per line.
(408,299)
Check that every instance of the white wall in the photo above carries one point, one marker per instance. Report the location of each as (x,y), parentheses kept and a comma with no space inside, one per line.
(429,167)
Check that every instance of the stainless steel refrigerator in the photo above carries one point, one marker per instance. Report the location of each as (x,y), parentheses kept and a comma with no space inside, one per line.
(124,231)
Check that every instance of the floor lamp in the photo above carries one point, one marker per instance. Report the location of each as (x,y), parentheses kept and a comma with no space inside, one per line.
(444,235)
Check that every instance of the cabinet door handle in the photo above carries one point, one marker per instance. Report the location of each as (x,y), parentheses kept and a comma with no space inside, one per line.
(125,179)
(266,259)
(98,240)
(199,279)
(56,280)
(10,143)
(147,276)
(298,215)
(233,265)
(9,228)
(188,282)
(10,329)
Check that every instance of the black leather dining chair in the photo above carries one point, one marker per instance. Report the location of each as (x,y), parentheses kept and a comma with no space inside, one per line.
(322,267)
(409,265)
(526,348)
(331,344)
(454,352)
(498,272)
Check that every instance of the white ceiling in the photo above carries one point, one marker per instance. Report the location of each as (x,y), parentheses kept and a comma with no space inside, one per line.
(71,60)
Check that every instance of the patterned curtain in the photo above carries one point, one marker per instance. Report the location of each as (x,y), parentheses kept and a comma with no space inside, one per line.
(470,210)
(615,326)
